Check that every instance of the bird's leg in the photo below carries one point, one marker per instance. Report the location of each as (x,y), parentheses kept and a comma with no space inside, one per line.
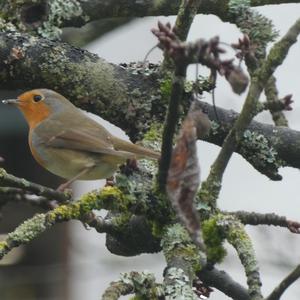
(65,185)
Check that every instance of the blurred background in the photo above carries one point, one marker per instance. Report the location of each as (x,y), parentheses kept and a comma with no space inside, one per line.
(69,262)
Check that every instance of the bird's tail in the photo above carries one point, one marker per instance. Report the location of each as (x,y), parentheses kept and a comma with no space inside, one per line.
(139,151)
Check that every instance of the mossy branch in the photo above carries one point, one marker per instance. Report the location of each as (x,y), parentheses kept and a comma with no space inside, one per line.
(108,198)
(119,89)
(85,79)
(183,261)
(211,187)
(48,17)
(142,284)
(8,180)
(239,239)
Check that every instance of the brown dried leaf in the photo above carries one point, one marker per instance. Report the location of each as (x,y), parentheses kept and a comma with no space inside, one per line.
(184,175)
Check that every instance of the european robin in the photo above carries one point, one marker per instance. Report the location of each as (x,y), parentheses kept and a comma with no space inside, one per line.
(68,143)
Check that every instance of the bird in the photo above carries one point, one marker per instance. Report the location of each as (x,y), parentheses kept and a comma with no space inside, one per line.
(68,143)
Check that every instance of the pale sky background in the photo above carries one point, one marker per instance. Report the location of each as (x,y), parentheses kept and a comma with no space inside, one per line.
(278,251)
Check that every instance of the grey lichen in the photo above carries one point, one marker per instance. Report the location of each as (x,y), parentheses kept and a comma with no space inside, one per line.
(214,127)
(258,150)
(176,242)
(143,284)
(259,28)
(59,11)
(6,26)
(237,236)
(180,287)
(27,231)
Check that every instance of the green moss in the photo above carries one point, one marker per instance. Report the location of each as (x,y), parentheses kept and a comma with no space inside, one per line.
(2,173)
(210,190)
(154,133)
(3,246)
(165,88)
(110,198)
(213,237)
(156,229)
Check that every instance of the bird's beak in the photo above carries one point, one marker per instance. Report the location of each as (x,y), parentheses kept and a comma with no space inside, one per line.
(11,101)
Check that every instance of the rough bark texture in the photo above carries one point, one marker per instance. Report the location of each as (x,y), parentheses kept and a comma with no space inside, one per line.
(135,99)
(126,99)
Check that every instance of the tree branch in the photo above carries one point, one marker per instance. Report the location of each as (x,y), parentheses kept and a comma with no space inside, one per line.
(10,194)
(224,283)
(99,87)
(47,17)
(87,80)
(8,180)
(284,284)
(253,218)
(142,284)
(239,239)
(211,187)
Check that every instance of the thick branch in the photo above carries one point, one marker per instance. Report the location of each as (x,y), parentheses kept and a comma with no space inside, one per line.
(88,81)
(274,146)
(99,87)
(211,187)
(224,283)
(183,258)
(41,15)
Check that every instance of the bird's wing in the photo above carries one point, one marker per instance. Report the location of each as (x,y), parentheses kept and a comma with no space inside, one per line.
(91,137)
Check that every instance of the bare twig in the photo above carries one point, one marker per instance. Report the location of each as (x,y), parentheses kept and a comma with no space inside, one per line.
(9,180)
(272,97)
(10,194)
(284,284)
(253,218)
(224,283)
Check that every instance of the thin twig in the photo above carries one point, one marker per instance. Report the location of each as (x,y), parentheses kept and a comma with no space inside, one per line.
(211,188)
(107,198)
(40,190)
(253,218)
(284,284)
(11,194)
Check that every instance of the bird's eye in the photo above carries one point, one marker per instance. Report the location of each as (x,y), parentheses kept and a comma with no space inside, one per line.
(37,98)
